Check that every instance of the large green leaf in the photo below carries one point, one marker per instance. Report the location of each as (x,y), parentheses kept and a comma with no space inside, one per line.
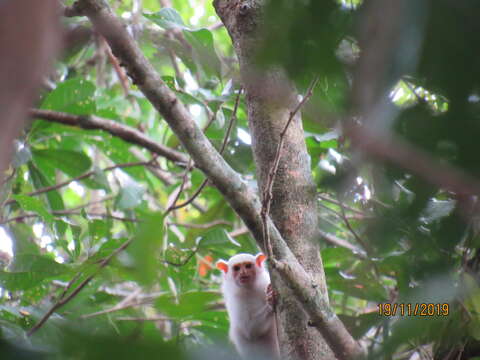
(74,96)
(204,51)
(167,18)
(30,270)
(72,163)
(29,203)
(187,305)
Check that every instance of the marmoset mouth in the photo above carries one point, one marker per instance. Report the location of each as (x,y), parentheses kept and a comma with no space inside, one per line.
(244,279)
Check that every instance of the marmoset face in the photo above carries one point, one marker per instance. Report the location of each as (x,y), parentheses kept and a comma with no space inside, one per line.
(244,273)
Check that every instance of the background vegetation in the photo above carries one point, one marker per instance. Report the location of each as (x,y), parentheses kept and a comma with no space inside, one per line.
(398,219)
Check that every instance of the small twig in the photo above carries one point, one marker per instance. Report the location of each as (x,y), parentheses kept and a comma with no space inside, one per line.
(201,226)
(342,243)
(184,261)
(83,176)
(122,77)
(336,202)
(125,305)
(239,232)
(222,149)
(182,186)
(141,319)
(267,193)
(350,228)
(66,298)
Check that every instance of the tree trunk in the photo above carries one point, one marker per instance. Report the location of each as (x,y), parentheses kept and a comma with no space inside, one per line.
(270,99)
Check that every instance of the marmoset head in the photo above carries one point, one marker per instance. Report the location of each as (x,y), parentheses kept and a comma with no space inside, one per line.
(242,268)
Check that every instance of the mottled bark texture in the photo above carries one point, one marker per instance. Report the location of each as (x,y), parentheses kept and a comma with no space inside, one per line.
(270,99)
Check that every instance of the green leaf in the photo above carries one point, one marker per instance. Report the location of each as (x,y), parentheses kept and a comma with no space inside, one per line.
(72,163)
(217,236)
(204,51)
(75,96)
(40,181)
(30,270)
(98,180)
(167,18)
(29,203)
(130,196)
(189,304)
(145,249)
(98,229)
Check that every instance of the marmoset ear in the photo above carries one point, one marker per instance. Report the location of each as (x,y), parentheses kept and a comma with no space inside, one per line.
(259,259)
(222,265)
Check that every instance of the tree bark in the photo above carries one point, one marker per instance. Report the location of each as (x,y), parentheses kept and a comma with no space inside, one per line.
(29,39)
(271,98)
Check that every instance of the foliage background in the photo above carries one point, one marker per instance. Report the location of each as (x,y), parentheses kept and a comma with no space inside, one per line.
(388,234)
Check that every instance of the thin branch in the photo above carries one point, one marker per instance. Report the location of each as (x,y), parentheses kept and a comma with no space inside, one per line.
(201,226)
(142,319)
(352,230)
(117,129)
(66,298)
(239,232)
(267,192)
(182,186)
(184,261)
(222,149)
(336,202)
(124,305)
(122,77)
(342,243)
(81,177)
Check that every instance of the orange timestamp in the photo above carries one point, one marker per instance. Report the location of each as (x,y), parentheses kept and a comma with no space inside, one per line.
(409,309)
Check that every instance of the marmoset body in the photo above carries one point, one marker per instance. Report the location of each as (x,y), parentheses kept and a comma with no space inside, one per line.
(249,301)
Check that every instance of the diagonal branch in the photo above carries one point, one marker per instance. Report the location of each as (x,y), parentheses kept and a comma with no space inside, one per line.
(124,132)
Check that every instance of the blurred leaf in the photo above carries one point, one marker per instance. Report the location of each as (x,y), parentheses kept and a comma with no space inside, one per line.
(167,18)
(189,304)
(204,50)
(29,203)
(145,249)
(72,163)
(130,196)
(74,96)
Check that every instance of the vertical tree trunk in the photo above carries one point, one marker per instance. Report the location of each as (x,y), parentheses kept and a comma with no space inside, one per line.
(270,99)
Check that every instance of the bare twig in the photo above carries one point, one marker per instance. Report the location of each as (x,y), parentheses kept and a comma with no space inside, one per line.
(141,319)
(184,261)
(336,202)
(122,77)
(342,243)
(267,192)
(182,186)
(124,304)
(201,226)
(352,230)
(66,298)
(222,149)
(81,177)
(124,132)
